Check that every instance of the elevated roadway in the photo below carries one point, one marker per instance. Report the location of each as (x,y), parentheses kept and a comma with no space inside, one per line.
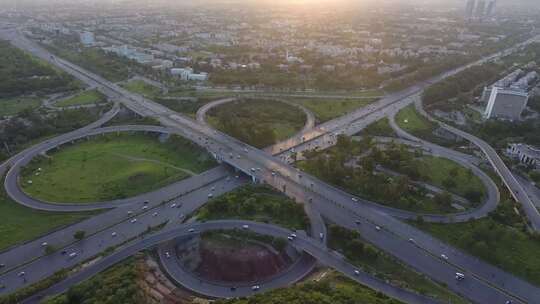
(485,284)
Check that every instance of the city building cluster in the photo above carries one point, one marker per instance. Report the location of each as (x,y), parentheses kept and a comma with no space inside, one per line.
(233,46)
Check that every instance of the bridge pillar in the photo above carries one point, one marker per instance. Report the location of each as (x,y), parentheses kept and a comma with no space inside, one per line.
(254,179)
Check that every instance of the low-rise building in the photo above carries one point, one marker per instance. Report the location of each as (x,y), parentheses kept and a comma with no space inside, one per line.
(187,74)
(87,38)
(526,154)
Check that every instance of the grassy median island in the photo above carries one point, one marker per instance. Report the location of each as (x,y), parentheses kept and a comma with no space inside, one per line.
(141,87)
(112,166)
(385,267)
(411,121)
(394,175)
(379,128)
(19,224)
(84,98)
(327,109)
(16,105)
(260,123)
(256,203)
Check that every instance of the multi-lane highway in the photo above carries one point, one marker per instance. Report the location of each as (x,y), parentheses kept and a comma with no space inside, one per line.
(302,243)
(484,283)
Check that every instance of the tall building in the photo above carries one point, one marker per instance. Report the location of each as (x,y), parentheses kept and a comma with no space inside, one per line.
(507,98)
(480,8)
(491,8)
(469,9)
(506,104)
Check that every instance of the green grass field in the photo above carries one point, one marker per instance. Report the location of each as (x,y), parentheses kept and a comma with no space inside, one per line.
(112,167)
(19,224)
(438,170)
(411,121)
(325,109)
(13,106)
(142,88)
(84,98)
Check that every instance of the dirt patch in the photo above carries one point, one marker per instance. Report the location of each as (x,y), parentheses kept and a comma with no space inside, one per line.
(229,260)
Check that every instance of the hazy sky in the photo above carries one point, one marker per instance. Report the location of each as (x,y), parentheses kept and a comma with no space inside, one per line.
(454,3)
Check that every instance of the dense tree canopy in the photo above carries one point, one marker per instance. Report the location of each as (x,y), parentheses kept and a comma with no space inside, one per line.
(22,74)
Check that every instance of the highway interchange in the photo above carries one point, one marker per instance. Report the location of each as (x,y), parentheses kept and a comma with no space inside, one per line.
(484,283)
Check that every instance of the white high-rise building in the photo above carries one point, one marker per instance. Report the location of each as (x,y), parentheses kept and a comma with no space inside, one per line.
(506,104)
(507,98)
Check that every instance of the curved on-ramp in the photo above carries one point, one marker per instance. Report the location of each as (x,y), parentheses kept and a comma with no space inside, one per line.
(15,192)
(278,147)
(516,189)
(468,161)
(306,244)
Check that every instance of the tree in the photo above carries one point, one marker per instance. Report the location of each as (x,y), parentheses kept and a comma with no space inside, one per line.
(50,249)
(443,199)
(79,235)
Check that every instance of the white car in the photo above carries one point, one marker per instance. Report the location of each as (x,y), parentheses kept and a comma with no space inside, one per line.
(245,226)
(356,272)
(173,206)
(72,255)
(167,255)
(444,257)
(191,230)
(133,221)
(210,195)
(113,234)
(354,199)
(130,212)
(377,228)
(155,214)
(321,235)
(144,207)
(460,276)
(255,287)
(293,235)
(44,244)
